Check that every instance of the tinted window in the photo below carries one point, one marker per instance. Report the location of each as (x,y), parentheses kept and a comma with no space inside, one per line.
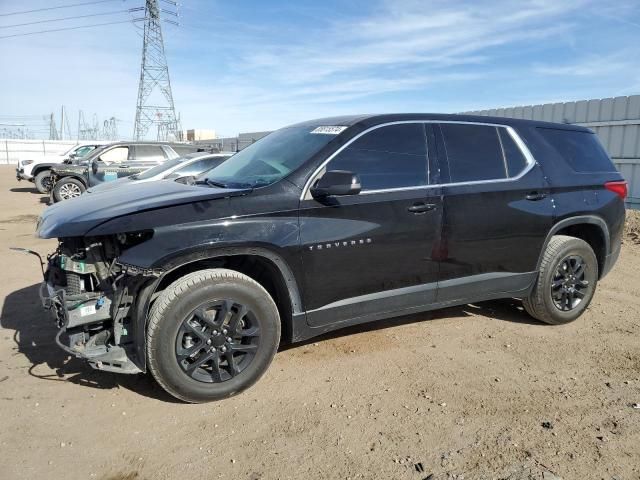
(158,169)
(184,149)
(473,151)
(513,155)
(387,157)
(200,166)
(82,151)
(582,150)
(149,152)
(115,155)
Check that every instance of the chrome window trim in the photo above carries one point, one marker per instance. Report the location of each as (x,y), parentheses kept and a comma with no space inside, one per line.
(531,161)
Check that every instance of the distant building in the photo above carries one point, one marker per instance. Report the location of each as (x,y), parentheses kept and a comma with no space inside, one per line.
(233,144)
(198,134)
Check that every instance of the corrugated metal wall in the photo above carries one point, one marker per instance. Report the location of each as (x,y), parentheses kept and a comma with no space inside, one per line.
(615,120)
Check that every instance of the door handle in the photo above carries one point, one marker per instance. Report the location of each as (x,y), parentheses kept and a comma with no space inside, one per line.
(421,207)
(534,196)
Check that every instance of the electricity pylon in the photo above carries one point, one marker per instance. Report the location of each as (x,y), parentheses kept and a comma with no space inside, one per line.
(155,101)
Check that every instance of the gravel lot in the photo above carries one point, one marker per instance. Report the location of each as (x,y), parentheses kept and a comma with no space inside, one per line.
(475,392)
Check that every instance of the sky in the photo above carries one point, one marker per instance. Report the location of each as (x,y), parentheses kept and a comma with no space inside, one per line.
(241,66)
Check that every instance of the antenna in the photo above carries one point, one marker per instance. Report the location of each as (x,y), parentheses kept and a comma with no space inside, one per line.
(155,100)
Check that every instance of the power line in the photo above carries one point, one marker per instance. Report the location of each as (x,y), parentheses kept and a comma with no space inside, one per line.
(129,10)
(54,8)
(71,28)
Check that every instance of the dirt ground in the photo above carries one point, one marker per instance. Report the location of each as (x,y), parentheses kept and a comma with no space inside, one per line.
(475,392)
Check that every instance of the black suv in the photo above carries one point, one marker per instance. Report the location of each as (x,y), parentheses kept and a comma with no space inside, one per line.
(110,162)
(325,224)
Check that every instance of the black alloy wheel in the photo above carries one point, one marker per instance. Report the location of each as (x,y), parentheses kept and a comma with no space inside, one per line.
(569,285)
(211,334)
(217,341)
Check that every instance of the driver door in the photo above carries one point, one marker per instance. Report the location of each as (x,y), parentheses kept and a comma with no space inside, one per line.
(375,253)
(110,165)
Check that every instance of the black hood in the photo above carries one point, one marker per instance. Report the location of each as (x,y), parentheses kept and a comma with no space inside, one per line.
(75,217)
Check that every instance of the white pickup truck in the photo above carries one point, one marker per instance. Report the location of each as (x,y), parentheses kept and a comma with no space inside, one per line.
(37,169)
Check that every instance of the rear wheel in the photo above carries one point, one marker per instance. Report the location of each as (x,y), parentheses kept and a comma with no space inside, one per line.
(67,188)
(566,282)
(211,335)
(42,181)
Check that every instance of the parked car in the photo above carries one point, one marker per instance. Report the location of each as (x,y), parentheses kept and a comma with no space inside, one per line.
(326,224)
(190,165)
(37,169)
(117,160)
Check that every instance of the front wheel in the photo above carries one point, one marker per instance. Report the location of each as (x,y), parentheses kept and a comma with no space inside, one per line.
(211,335)
(67,188)
(42,181)
(566,281)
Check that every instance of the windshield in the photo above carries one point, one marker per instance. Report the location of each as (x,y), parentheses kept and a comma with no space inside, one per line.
(158,169)
(269,159)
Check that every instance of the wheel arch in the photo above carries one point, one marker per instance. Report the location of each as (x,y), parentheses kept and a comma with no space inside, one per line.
(590,228)
(264,266)
(73,176)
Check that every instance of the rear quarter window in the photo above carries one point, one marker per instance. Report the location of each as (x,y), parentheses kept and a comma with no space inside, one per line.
(581,150)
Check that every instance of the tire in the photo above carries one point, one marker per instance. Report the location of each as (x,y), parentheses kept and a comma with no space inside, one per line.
(67,188)
(563,291)
(42,181)
(186,323)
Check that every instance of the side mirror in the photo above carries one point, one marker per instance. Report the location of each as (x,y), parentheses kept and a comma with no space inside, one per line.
(336,182)
(187,180)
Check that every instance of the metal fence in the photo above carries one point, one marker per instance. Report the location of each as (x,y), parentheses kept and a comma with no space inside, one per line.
(11,151)
(615,120)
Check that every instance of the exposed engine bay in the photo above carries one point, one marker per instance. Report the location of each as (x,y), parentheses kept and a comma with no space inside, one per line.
(90,296)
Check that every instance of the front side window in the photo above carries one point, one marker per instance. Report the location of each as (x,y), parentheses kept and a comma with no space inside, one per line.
(393,156)
(115,155)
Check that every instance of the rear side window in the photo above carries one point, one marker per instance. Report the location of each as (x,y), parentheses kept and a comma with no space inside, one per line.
(394,156)
(512,153)
(474,152)
(582,150)
(149,152)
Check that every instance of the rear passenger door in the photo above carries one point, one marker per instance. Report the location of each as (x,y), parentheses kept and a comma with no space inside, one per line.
(496,215)
(144,157)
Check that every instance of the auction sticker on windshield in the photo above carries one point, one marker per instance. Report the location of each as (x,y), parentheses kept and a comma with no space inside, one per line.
(329,130)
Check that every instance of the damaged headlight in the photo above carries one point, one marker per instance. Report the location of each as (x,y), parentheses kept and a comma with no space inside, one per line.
(131,239)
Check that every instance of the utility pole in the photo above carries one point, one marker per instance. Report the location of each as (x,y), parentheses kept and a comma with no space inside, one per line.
(155,100)
(53,131)
(62,123)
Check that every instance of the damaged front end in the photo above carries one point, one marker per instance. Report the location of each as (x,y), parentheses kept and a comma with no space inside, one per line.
(90,295)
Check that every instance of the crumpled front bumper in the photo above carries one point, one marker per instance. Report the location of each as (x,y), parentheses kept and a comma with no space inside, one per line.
(75,318)
(20,175)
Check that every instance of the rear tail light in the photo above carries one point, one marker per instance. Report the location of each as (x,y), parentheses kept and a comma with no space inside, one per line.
(618,187)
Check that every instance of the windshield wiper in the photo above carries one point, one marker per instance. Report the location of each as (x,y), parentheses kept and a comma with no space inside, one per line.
(212,183)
